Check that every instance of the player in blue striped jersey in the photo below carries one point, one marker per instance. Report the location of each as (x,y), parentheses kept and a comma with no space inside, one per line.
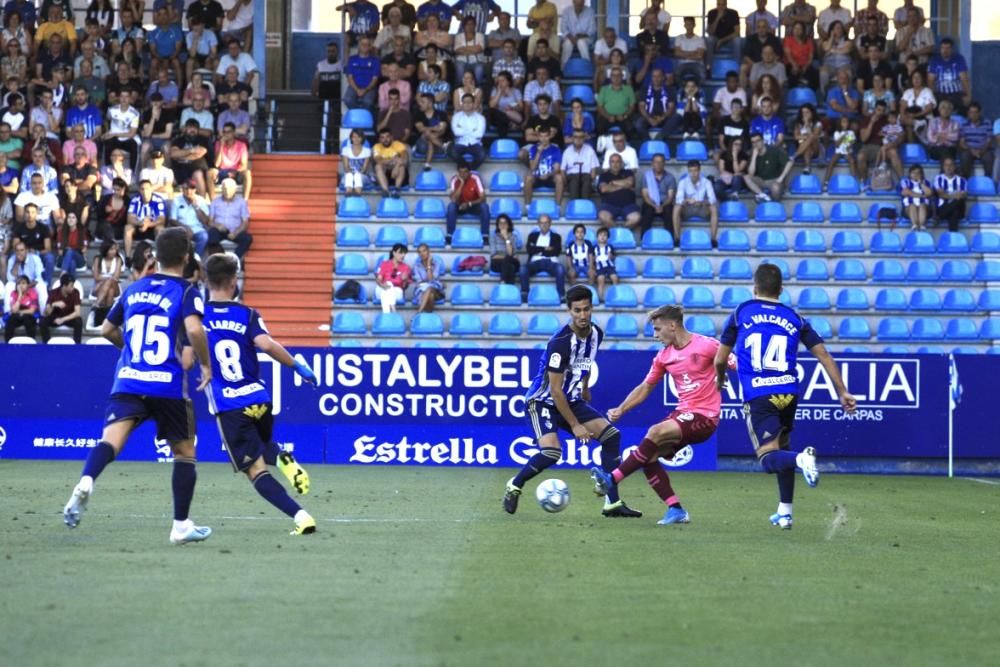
(155,312)
(237,396)
(558,399)
(766,334)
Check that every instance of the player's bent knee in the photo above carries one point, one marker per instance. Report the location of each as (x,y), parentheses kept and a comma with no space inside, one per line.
(664,433)
(183,448)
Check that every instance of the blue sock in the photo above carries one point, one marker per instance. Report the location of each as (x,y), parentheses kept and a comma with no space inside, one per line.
(271,452)
(611,456)
(98,459)
(182,482)
(786,486)
(275,494)
(778,460)
(535,465)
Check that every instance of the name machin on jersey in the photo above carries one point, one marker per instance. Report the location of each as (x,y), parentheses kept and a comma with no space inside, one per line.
(151,298)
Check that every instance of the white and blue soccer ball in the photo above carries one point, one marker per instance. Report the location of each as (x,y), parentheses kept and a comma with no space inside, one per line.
(553,495)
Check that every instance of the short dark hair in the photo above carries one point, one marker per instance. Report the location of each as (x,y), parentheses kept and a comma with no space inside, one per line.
(540,42)
(579,293)
(767,280)
(173,247)
(732,74)
(220,270)
(397,247)
(544,97)
(65,279)
(673,312)
(579,226)
(976,105)
(434,68)
(394,92)
(693,163)
(948,40)
(756,135)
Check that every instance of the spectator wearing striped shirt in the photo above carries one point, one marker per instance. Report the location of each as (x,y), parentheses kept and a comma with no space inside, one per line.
(943,134)
(952,192)
(948,76)
(975,142)
(147,216)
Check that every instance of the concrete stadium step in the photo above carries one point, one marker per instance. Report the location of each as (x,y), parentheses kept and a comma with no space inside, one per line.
(285,289)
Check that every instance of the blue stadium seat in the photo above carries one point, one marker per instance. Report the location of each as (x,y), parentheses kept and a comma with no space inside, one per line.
(691,150)
(465,345)
(988,270)
(850,269)
(427,344)
(854,328)
(393,209)
(696,268)
(735,268)
(806,184)
(651,148)
(698,297)
(426,324)
(352,236)
(658,295)
(578,68)
(734,296)
(786,273)
(982,186)
(429,209)
(857,349)
(814,298)
(621,296)
(506,181)
(989,299)
(543,324)
(431,181)
(927,328)
(918,243)
(720,66)
(361,299)
(770,211)
(800,96)
(822,326)
(848,242)
(657,239)
(625,268)
(809,240)
(701,324)
(924,299)
(389,324)
(695,240)
(962,300)
(734,240)
(952,243)
(886,242)
(844,212)
(351,264)
(505,324)
(584,93)
(986,242)
(505,206)
(914,154)
(348,322)
(890,298)
(852,298)
(733,211)
(358,118)
(543,295)
(772,241)
(354,207)
(456,268)
(468,294)
(888,271)
(467,237)
(658,268)
(896,349)
(389,235)
(466,324)
(990,329)
(993,350)
(347,342)
(505,296)
(923,270)
(893,328)
(581,209)
(622,346)
(812,270)
(622,238)
(622,326)
(843,184)
(504,149)
(539,207)
(931,349)
(966,349)
(960,328)
(432,236)
(982,213)
(956,270)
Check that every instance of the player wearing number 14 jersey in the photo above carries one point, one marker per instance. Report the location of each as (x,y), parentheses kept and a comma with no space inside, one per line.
(766,335)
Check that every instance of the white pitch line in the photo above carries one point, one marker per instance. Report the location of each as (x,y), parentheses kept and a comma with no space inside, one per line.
(991,482)
(275,518)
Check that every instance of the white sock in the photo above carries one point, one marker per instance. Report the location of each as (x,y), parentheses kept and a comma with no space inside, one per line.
(86,483)
(785,508)
(301,515)
(182,526)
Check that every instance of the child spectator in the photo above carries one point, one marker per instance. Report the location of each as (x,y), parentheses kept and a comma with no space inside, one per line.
(844,139)
(604,262)
(580,253)
(691,106)
(23,309)
(916,191)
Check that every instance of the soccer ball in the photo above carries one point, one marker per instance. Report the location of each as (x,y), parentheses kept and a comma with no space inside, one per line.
(553,495)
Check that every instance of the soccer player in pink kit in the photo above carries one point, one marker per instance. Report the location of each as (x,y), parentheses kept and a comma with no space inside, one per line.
(689,359)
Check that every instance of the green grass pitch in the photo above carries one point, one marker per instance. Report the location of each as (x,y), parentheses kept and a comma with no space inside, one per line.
(422,567)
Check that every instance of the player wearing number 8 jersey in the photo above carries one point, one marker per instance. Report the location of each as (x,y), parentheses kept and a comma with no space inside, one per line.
(238,398)
(149,380)
(766,335)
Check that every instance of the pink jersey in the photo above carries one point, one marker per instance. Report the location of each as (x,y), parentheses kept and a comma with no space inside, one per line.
(693,371)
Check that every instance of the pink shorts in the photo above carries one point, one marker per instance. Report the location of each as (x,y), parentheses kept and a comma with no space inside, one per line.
(694,427)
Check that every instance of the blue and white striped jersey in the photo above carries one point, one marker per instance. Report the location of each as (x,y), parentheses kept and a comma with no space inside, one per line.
(570,355)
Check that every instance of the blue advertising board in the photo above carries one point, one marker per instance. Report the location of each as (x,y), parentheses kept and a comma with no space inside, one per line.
(466,408)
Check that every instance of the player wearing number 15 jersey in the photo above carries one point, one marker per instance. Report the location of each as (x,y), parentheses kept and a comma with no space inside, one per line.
(238,398)
(766,335)
(154,312)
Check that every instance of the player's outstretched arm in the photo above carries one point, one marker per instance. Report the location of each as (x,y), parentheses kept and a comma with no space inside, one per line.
(199,343)
(722,366)
(635,397)
(113,334)
(847,400)
(581,434)
(277,351)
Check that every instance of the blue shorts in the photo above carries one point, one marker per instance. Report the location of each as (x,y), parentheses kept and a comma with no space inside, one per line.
(580,269)
(174,417)
(606,271)
(619,212)
(545,418)
(245,433)
(770,418)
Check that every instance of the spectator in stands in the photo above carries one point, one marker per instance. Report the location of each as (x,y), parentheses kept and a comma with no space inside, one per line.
(9,183)
(394,275)
(357,163)
(753,51)
(62,310)
(440,11)
(498,38)
(689,53)
(395,118)
(916,192)
(46,114)
(55,26)
(36,235)
(578,119)
(543,120)
(873,66)
(767,86)
(16,118)
(123,130)
(952,192)
(544,248)
(769,125)
(844,140)
(326,80)
(696,197)
(402,58)
(975,143)
(579,166)
(230,84)
(723,100)
(722,26)
(808,137)
(948,77)
(239,22)
(87,116)
(880,141)
(362,76)
(46,202)
(769,168)
(509,62)
(364,20)
(14,65)
(769,64)
(107,271)
(189,157)
(166,44)
(427,272)
(610,41)
(505,243)
(834,14)
(616,60)
(544,160)
(604,262)
(431,128)
(692,109)
(116,168)
(94,85)
(468,87)
(468,127)
(468,197)
(392,160)
(543,15)
(617,188)
(200,111)
(871,11)
(160,175)
(470,51)
(408,12)
(658,189)
(230,219)
(733,126)
(435,42)
(23,309)
(436,87)
(192,212)
(50,153)
(761,13)
(916,106)
(798,10)
(541,85)
(943,133)
(24,263)
(112,212)
(483,11)
(869,35)
(232,160)
(734,165)
(630,159)
(147,216)
(800,51)
(615,104)
(72,241)
(15,28)
(385,41)
(914,38)
(652,35)
(652,59)
(48,60)
(662,16)
(838,53)
(142,261)
(40,164)
(579,30)
(210,12)
(83,176)
(843,99)
(202,48)
(157,124)
(506,105)
(580,257)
